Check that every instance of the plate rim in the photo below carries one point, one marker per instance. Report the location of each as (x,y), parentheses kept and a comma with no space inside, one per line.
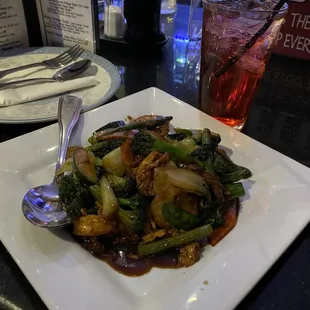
(255,278)
(115,83)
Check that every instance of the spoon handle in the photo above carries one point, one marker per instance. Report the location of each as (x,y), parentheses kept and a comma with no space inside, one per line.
(69,109)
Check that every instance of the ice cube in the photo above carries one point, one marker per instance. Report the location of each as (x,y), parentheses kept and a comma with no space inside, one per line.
(252,65)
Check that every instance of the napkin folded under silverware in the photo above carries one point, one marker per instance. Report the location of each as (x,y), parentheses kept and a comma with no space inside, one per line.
(23,94)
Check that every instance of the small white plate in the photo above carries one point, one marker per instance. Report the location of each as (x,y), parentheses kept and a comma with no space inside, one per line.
(46,109)
(273,212)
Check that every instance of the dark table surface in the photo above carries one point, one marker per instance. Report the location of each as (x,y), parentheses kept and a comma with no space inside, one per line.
(279,118)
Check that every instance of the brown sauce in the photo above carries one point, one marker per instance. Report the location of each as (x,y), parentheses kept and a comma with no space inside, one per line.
(138,267)
(115,254)
(119,253)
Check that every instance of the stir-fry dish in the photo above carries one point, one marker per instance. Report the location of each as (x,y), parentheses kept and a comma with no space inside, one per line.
(145,194)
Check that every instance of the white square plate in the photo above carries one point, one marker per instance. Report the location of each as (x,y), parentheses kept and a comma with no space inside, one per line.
(274,211)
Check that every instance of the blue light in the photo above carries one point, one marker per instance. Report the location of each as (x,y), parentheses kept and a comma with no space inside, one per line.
(181,38)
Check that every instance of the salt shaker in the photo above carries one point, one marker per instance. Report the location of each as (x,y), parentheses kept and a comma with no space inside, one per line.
(114,21)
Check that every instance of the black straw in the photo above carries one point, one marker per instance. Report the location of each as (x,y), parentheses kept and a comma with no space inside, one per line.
(251,42)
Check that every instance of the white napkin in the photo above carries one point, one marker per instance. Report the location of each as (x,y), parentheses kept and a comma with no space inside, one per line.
(23,94)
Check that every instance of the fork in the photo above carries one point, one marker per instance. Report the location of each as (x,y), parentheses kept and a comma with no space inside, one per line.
(59,61)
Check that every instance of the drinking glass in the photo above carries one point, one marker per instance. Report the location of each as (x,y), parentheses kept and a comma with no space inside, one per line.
(227,26)
(194,28)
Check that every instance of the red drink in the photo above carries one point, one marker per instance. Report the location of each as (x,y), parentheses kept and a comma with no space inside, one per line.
(228,26)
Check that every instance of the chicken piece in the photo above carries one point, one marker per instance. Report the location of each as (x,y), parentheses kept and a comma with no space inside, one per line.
(153,235)
(189,255)
(163,130)
(145,173)
(92,225)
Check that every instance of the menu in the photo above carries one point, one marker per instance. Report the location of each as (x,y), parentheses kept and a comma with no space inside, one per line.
(13,28)
(67,22)
(294,38)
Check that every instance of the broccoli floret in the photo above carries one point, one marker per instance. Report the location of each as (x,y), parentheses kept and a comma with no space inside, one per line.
(212,213)
(227,170)
(132,212)
(144,142)
(73,196)
(103,148)
(133,220)
(137,201)
(209,143)
(198,135)
(122,186)
(204,152)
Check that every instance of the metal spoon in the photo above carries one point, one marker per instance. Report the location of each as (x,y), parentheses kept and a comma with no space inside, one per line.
(62,75)
(41,205)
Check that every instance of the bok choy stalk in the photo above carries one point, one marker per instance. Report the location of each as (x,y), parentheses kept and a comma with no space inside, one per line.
(109,202)
(113,162)
(66,167)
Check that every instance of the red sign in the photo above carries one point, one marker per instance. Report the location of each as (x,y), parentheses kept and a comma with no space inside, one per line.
(294,38)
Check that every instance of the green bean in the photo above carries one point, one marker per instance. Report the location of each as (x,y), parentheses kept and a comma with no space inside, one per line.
(147,249)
